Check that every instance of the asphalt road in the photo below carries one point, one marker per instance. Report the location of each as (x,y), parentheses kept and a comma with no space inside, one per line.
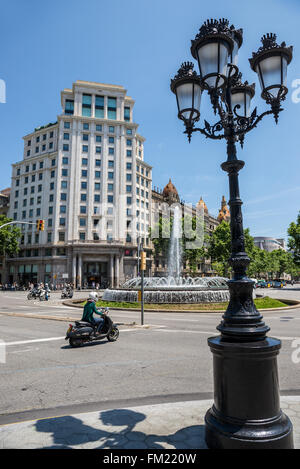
(168,362)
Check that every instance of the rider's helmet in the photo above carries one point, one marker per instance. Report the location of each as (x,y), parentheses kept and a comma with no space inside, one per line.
(93,296)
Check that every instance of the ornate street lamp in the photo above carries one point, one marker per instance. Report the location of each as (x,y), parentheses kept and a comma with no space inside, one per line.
(246,411)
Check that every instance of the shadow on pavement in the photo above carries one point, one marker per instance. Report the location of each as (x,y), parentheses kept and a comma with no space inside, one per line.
(69,432)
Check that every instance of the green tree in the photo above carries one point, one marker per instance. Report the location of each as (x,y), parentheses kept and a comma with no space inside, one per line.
(9,237)
(294,240)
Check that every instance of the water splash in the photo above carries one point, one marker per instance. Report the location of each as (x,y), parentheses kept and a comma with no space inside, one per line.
(175,249)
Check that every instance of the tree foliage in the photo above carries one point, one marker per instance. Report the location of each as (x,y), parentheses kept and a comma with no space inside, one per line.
(9,237)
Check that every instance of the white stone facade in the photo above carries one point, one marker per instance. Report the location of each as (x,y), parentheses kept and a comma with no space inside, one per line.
(85,175)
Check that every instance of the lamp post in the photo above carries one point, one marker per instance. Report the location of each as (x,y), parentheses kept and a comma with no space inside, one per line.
(246,411)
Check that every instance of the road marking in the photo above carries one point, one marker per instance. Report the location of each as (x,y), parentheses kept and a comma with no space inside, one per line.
(33,341)
(187,331)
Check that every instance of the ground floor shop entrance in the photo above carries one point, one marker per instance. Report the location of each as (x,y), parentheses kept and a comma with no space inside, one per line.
(95,273)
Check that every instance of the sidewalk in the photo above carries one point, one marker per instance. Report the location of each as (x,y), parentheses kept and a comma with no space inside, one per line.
(169,426)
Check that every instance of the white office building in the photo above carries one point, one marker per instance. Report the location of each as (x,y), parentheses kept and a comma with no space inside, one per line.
(85,175)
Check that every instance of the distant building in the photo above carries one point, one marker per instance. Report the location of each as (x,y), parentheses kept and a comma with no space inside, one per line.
(4,201)
(224,213)
(269,244)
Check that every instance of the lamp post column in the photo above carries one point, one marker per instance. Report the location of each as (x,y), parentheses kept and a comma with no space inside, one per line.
(246,413)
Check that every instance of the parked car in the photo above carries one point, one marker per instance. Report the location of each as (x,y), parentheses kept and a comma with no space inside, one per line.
(277,284)
(262,284)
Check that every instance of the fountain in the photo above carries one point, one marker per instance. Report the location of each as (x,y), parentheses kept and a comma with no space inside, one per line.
(173,288)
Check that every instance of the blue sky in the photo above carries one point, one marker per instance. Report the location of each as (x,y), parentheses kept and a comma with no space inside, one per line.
(46,46)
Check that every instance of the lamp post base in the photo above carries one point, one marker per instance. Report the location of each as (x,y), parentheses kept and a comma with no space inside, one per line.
(246,413)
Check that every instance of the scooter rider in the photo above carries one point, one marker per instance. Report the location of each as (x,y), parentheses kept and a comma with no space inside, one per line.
(89,309)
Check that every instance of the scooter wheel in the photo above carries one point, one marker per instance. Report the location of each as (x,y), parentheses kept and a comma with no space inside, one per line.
(114,334)
(75,342)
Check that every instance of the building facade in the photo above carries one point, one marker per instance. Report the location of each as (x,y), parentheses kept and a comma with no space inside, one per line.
(269,244)
(169,196)
(85,175)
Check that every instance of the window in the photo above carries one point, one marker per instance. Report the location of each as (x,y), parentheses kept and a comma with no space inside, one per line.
(111,163)
(38,212)
(69,106)
(86,105)
(129,131)
(97,174)
(41,164)
(49,237)
(50,145)
(97,198)
(129,153)
(127,114)
(36,149)
(110,175)
(99,107)
(53,162)
(129,142)
(25,191)
(85,148)
(98,128)
(83,197)
(51,198)
(64,184)
(83,185)
(51,186)
(50,212)
(66,136)
(65,160)
(64,172)
(97,186)
(62,222)
(111,129)
(98,138)
(44,148)
(85,137)
(29,143)
(82,236)
(83,209)
(111,139)
(98,162)
(82,221)
(65,147)
(128,188)
(84,161)
(40,176)
(32,189)
(34,167)
(110,199)
(26,180)
(37,139)
(84,173)
(86,126)
(112,108)
(40,188)
(28,152)
(17,182)
(63,196)
(111,151)
(110,187)
(49,222)
(66,125)
(98,150)
(61,235)
(128,165)
(128,177)
(51,134)
(48,252)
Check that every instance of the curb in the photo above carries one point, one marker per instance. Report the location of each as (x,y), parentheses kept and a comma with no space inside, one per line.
(294,304)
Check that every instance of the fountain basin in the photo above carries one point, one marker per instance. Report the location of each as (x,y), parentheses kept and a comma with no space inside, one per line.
(160,290)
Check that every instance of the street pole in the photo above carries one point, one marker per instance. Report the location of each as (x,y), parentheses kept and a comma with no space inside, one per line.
(143,268)
(246,412)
